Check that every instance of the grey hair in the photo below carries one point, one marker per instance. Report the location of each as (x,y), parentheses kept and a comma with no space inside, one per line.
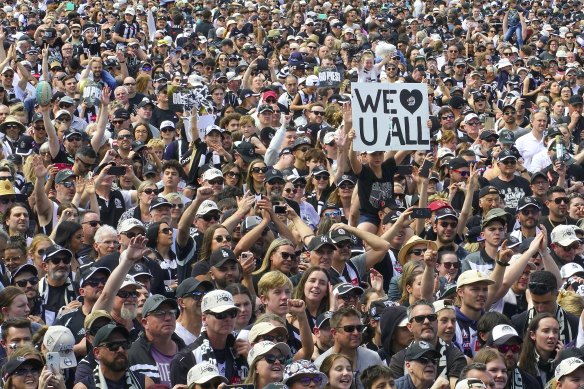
(103,231)
(416,304)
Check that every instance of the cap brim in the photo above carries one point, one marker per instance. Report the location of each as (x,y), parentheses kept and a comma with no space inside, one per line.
(223,308)
(567,241)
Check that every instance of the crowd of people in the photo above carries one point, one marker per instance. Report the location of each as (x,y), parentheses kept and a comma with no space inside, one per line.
(182,205)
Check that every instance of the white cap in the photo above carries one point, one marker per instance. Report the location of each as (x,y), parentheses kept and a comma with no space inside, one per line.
(60,339)
(564,235)
(264,328)
(62,112)
(312,80)
(130,223)
(403,323)
(568,366)
(504,63)
(440,305)
(167,123)
(471,277)
(569,269)
(502,333)
(206,207)
(328,138)
(561,54)
(211,173)
(130,281)
(262,348)
(444,151)
(515,258)
(217,301)
(468,383)
(130,11)
(470,116)
(563,31)
(202,373)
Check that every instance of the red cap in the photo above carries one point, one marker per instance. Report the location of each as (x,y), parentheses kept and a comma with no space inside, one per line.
(269,93)
(438,204)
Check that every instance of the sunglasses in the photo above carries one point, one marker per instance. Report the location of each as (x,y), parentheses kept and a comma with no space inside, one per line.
(128,136)
(166,230)
(130,234)
(275,339)
(418,252)
(560,200)
(322,177)
(115,346)
(527,211)
(93,223)
(318,113)
(451,265)
(426,360)
(220,239)
(271,359)
(504,348)
(352,328)
(233,175)
(573,246)
(288,256)
(259,169)
(332,214)
(463,173)
(509,112)
(446,224)
(421,318)
(224,315)
(58,260)
(447,117)
(216,181)
(74,138)
(208,217)
(346,186)
(94,283)
(32,281)
(510,162)
(290,190)
(198,296)
(301,185)
(124,295)
(23,372)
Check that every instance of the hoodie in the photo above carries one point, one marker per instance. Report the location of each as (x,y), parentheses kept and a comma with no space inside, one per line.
(391,317)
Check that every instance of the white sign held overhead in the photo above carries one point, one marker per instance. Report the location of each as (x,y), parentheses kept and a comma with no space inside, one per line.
(390,116)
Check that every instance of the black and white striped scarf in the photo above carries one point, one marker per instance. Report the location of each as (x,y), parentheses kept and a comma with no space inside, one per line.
(100,381)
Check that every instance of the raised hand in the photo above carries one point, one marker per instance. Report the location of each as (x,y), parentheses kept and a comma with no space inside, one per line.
(135,250)
(105,95)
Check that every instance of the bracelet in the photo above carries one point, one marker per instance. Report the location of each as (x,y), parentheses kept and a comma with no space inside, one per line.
(504,264)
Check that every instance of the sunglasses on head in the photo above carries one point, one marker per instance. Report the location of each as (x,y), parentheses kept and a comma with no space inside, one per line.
(32,281)
(224,315)
(540,288)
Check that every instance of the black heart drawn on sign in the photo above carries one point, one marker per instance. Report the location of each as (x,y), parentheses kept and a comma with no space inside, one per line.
(411,100)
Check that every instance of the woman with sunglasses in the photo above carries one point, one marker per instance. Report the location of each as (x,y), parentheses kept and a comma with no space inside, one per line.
(266,362)
(216,236)
(319,188)
(160,240)
(26,372)
(541,346)
(339,371)
(256,174)
(177,208)
(279,256)
(147,191)
(302,374)
(232,175)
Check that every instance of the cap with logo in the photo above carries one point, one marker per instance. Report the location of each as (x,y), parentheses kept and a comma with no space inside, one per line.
(206,207)
(274,175)
(527,201)
(218,301)
(346,287)
(323,318)
(64,175)
(247,151)
(506,154)
(159,202)
(340,235)
(568,366)
(444,213)
(320,241)
(130,223)
(55,249)
(88,272)
(211,174)
(220,256)
(507,137)
(564,235)
(13,364)
(472,277)
(570,269)
(202,373)
(501,334)
(27,267)
(60,339)
(421,348)
(470,383)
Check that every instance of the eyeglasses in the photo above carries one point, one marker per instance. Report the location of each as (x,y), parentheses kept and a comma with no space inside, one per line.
(426,360)
(322,177)
(275,339)
(226,238)
(504,348)
(115,346)
(161,314)
(271,359)
(418,252)
(259,169)
(421,318)
(447,117)
(560,200)
(93,223)
(22,372)
(224,315)
(216,181)
(32,281)
(318,113)
(451,265)
(124,295)
(209,217)
(95,282)
(446,224)
(130,234)
(233,175)
(166,230)
(352,328)
(58,260)
(463,173)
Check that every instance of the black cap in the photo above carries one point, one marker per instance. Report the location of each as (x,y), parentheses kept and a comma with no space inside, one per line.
(487,190)
(274,174)
(247,151)
(55,249)
(488,134)
(323,318)
(346,178)
(139,269)
(159,202)
(340,235)
(265,107)
(419,349)
(457,163)
(245,93)
(320,241)
(538,174)
(37,117)
(506,154)
(527,201)
(27,267)
(90,271)
(146,101)
(13,364)
(391,217)
(106,331)
(121,113)
(191,284)
(24,145)
(575,100)
(444,213)
(220,256)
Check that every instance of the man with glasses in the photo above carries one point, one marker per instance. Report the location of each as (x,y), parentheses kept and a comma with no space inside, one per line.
(527,215)
(216,343)
(487,139)
(510,120)
(494,228)
(345,268)
(511,186)
(65,192)
(543,288)
(56,288)
(38,132)
(565,245)
(189,295)
(445,226)
(110,350)
(93,279)
(421,366)
(557,203)
(153,351)
(85,161)
(423,324)
(26,278)
(459,174)
(347,329)
(67,104)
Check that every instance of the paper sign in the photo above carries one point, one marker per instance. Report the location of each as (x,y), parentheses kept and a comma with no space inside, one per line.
(390,116)
(330,77)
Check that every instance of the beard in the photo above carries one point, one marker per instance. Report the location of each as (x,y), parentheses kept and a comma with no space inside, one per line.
(59,275)
(118,364)
(128,313)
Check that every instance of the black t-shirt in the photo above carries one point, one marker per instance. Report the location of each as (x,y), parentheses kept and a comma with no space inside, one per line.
(74,321)
(373,191)
(160,115)
(56,298)
(64,157)
(512,191)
